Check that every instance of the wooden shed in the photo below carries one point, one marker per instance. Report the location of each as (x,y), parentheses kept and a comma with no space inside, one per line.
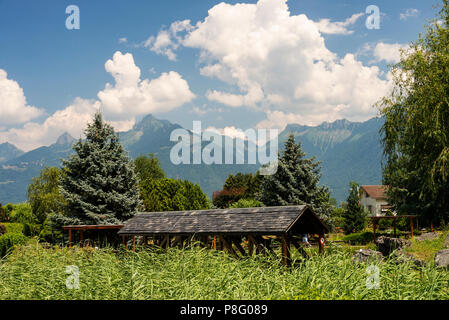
(228,229)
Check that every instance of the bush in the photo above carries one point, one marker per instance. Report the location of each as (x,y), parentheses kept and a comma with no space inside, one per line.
(22,213)
(2,229)
(359,238)
(246,203)
(9,240)
(14,228)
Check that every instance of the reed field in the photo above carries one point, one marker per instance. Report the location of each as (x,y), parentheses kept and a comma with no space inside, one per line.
(32,272)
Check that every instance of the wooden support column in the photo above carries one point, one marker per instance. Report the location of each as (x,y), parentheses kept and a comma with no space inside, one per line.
(286,259)
(70,238)
(251,242)
(411,226)
(239,246)
(299,248)
(228,246)
(81,238)
(134,243)
(394,226)
(374,229)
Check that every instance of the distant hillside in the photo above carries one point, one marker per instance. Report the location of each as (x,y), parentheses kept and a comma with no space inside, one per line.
(348,151)
(8,152)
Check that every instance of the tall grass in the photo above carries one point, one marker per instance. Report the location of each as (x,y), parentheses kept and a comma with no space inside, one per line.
(32,272)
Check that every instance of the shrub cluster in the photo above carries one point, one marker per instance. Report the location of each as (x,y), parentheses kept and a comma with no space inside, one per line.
(9,240)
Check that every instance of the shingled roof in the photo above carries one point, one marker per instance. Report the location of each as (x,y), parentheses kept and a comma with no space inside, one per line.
(262,220)
(376,192)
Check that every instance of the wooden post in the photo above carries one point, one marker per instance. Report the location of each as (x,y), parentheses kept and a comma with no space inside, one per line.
(411,226)
(81,238)
(228,246)
(394,226)
(215,243)
(70,238)
(286,259)
(250,245)
(374,229)
(431,227)
(299,248)
(134,243)
(239,246)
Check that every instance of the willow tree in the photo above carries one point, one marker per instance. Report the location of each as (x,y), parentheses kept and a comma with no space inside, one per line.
(416,129)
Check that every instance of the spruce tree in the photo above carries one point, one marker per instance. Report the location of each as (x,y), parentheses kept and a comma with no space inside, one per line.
(354,216)
(100,185)
(296,181)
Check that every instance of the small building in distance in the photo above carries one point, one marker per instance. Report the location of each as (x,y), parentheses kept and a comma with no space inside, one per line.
(374,200)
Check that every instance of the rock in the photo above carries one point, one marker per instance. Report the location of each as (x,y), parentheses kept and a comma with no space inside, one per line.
(427,236)
(442,258)
(403,257)
(387,245)
(364,255)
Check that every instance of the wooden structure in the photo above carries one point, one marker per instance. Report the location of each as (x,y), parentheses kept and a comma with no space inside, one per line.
(394,218)
(82,228)
(229,229)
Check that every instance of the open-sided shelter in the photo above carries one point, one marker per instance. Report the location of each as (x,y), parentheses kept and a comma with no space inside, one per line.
(229,228)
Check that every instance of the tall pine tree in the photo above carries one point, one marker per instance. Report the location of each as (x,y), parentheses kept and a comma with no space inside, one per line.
(296,181)
(100,185)
(354,216)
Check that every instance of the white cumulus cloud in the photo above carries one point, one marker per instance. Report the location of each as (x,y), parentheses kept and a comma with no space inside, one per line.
(338,27)
(279,61)
(120,103)
(13,105)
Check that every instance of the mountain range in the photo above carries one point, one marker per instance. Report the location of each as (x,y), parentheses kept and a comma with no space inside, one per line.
(347,151)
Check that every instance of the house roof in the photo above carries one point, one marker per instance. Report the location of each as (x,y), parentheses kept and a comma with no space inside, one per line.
(262,220)
(376,192)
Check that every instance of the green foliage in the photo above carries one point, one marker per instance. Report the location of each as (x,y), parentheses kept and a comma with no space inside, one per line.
(225,198)
(22,213)
(416,128)
(246,203)
(12,227)
(32,272)
(99,184)
(359,238)
(172,195)
(6,212)
(44,194)
(296,182)
(2,229)
(236,187)
(354,217)
(9,240)
(148,167)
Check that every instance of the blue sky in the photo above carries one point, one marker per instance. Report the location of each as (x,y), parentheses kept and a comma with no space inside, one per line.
(263,64)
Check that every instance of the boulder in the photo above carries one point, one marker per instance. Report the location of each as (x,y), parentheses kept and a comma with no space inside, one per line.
(364,255)
(427,236)
(403,257)
(387,245)
(442,258)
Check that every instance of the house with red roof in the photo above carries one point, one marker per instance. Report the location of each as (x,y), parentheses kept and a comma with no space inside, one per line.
(374,200)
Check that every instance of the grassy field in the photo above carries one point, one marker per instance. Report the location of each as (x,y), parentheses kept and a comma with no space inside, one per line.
(32,272)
